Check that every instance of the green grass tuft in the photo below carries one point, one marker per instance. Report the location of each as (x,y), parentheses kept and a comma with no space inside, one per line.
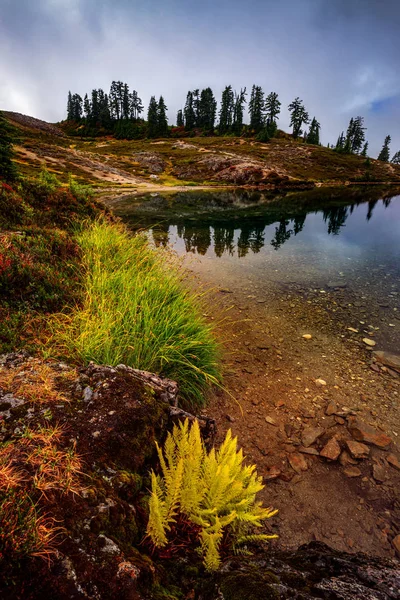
(136,311)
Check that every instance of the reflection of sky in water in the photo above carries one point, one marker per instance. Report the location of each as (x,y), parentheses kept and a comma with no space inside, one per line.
(376,239)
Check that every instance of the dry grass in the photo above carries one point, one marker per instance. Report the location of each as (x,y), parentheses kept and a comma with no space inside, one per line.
(36,384)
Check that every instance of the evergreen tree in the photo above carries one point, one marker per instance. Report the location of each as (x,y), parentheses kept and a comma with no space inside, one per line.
(76,107)
(8,170)
(256,108)
(126,102)
(196,107)
(272,107)
(298,117)
(136,106)
(86,107)
(152,118)
(365,150)
(179,118)
(396,158)
(384,154)
(70,115)
(162,121)
(226,110)
(188,111)
(313,134)
(240,100)
(340,142)
(207,110)
(355,136)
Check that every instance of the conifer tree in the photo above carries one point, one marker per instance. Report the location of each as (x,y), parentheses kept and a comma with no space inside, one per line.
(340,142)
(298,117)
(355,136)
(86,107)
(256,108)
(126,102)
(226,110)
(8,170)
(152,118)
(162,121)
(313,134)
(365,149)
(179,118)
(188,111)
(396,158)
(70,115)
(207,109)
(384,154)
(272,107)
(240,100)
(136,106)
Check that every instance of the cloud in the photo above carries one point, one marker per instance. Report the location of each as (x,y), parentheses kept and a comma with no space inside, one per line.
(340,57)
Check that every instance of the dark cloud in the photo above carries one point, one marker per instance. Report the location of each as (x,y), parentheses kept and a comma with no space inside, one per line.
(341,57)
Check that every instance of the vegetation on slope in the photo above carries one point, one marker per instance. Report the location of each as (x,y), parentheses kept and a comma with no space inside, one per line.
(136,311)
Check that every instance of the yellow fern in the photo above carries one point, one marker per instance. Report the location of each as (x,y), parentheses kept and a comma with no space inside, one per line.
(213,490)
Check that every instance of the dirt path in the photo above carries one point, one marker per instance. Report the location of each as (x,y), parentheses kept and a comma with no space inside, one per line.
(275,401)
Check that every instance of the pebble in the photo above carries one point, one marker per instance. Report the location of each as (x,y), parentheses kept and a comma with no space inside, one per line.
(271,421)
(297,462)
(307,336)
(331,450)
(352,472)
(357,450)
(320,382)
(352,329)
(369,342)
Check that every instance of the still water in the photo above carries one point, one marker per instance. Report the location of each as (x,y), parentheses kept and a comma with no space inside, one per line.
(343,243)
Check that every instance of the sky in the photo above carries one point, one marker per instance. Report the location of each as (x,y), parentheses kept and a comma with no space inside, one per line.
(341,57)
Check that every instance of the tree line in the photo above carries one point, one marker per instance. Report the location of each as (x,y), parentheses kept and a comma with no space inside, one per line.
(121,113)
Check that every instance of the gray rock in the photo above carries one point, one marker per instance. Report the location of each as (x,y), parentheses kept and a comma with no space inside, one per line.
(87,394)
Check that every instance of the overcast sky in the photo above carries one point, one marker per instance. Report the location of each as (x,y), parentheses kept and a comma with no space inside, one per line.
(340,56)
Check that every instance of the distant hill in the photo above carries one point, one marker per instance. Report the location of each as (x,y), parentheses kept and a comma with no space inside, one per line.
(198,161)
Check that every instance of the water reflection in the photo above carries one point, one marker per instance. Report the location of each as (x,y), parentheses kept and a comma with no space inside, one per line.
(239,222)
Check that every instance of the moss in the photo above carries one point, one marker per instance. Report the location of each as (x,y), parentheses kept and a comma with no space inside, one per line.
(251,585)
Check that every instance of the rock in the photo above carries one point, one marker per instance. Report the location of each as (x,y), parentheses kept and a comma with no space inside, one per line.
(375,368)
(225,291)
(230,418)
(369,342)
(337,284)
(331,409)
(345,459)
(271,421)
(396,544)
(352,330)
(107,545)
(307,336)
(320,382)
(310,435)
(390,360)
(297,462)
(357,450)
(272,473)
(87,394)
(312,451)
(393,461)
(378,473)
(365,433)
(331,450)
(352,472)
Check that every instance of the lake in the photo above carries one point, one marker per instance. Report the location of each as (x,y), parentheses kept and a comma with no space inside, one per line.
(336,247)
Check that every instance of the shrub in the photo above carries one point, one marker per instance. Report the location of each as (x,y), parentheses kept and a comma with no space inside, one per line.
(136,311)
(212,490)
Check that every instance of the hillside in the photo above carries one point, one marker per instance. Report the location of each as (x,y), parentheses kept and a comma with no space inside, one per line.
(203,161)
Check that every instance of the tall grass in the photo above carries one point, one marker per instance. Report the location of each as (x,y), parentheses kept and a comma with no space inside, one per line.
(136,311)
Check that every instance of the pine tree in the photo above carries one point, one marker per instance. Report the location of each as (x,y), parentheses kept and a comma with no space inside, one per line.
(179,118)
(188,111)
(384,154)
(69,108)
(365,149)
(207,110)
(8,170)
(256,108)
(152,118)
(272,107)
(240,100)
(355,136)
(226,110)
(340,142)
(313,134)
(299,116)
(162,121)
(136,106)
(396,158)
(76,107)
(86,107)
(126,102)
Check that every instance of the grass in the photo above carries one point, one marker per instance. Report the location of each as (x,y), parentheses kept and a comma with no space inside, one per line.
(136,311)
